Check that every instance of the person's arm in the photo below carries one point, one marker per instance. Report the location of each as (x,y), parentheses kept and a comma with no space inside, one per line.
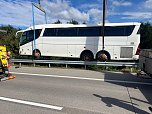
(8,57)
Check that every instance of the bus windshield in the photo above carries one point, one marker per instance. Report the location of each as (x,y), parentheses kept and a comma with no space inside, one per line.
(28,36)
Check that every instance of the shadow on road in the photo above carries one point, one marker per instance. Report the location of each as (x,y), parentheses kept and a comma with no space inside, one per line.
(145,89)
(120,103)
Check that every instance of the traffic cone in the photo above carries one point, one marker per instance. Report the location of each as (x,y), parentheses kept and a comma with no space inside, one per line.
(12,77)
(7,78)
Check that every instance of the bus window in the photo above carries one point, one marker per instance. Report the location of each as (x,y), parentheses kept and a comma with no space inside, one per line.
(66,32)
(49,32)
(114,31)
(89,31)
(37,33)
(28,36)
(129,30)
(23,39)
(118,30)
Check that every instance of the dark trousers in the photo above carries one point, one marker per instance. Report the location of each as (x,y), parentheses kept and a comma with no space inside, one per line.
(5,71)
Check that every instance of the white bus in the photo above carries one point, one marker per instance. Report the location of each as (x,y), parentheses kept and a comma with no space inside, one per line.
(82,41)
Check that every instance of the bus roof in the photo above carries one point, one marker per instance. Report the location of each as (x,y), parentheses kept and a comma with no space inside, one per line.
(82,25)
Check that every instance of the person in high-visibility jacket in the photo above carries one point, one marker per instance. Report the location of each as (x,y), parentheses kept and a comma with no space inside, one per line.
(3,61)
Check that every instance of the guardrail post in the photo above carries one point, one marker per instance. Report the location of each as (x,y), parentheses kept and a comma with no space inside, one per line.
(34,64)
(66,66)
(20,64)
(85,67)
(49,65)
(131,69)
(106,67)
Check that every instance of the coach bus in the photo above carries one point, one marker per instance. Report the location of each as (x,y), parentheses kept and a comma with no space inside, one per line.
(121,41)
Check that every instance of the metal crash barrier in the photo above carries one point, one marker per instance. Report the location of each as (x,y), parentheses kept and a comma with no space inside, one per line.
(85,63)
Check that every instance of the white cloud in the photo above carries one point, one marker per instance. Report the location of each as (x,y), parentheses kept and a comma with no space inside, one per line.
(137,15)
(19,13)
(90,6)
(96,15)
(114,7)
(140,11)
(63,11)
(121,3)
(148,4)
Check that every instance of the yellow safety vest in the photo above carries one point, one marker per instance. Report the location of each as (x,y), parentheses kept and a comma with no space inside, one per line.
(3,55)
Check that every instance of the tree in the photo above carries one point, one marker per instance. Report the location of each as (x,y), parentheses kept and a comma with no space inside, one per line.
(9,39)
(84,22)
(146,36)
(57,22)
(73,22)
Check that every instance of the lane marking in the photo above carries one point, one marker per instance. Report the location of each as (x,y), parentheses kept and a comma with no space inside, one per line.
(31,103)
(82,78)
(58,76)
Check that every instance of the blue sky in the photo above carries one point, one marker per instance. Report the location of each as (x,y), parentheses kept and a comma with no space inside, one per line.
(19,12)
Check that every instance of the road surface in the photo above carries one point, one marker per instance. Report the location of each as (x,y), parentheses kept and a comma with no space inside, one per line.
(73,91)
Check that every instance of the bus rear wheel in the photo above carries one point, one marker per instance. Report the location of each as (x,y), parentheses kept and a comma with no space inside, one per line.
(103,56)
(86,56)
(36,54)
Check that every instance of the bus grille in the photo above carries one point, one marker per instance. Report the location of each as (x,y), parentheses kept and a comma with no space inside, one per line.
(126,52)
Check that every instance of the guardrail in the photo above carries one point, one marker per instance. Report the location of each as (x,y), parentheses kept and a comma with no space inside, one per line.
(85,63)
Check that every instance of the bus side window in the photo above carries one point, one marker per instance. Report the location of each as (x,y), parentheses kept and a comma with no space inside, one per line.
(89,31)
(49,32)
(67,32)
(23,39)
(129,30)
(30,35)
(37,33)
(114,31)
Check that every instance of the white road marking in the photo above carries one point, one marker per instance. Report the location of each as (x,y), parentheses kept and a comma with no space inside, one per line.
(58,76)
(82,78)
(31,103)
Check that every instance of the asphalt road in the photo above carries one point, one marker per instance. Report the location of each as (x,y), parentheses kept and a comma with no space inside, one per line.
(69,91)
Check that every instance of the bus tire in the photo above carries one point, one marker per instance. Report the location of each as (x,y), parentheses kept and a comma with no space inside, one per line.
(86,56)
(36,54)
(103,56)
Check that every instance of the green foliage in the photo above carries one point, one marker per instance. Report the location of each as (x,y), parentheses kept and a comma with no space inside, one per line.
(84,22)
(146,36)
(57,22)
(9,40)
(73,22)
(70,22)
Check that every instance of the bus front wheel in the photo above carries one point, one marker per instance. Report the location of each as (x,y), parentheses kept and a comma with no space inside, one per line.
(103,56)
(36,54)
